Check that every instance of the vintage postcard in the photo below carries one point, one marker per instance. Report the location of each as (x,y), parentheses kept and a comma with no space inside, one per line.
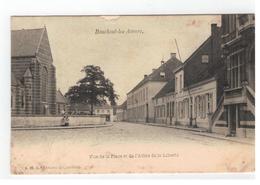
(132,94)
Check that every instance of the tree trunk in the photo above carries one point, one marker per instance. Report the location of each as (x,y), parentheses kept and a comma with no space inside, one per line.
(91,109)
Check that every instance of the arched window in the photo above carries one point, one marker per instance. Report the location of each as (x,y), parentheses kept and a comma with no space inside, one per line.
(22,99)
(44,83)
(12,99)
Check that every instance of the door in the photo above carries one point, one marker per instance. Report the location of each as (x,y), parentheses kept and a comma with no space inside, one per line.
(233,119)
(147,114)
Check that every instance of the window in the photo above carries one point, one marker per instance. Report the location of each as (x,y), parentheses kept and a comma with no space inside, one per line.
(229,23)
(176,84)
(13,99)
(243,19)
(234,70)
(180,82)
(162,74)
(232,23)
(108,111)
(204,59)
(172,109)
(209,103)
(44,83)
(146,93)
(168,109)
(22,99)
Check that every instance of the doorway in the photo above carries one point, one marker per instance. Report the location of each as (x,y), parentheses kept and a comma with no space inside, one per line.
(147,114)
(232,119)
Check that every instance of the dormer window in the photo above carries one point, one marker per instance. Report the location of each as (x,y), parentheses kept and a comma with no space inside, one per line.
(162,74)
(205,59)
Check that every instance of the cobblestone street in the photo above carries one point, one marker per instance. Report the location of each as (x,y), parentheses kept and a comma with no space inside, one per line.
(125,147)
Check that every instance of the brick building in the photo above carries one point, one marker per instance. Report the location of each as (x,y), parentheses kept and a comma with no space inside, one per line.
(33,80)
(236,115)
(191,96)
(121,112)
(139,100)
(106,111)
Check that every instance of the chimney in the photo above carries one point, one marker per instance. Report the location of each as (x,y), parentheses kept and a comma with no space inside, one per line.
(214,29)
(145,76)
(162,62)
(173,55)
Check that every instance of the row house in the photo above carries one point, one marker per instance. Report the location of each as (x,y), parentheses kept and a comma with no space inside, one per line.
(33,79)
(121,112)
(236,115)
(191,97)
(140,99)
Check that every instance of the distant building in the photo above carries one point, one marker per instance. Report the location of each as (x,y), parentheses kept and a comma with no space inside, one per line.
(33,80)
(236,115)
(105,110)
(121,112)
(191,96)
(79,109)
(139,100)
(61,103)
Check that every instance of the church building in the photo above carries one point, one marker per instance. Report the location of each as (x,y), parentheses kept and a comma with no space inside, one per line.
(33,80)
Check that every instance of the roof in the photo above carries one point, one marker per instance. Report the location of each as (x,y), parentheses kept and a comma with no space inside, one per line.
(60,98)
(198,71)
(25,42)
(167,67)
(14,80)
(123,106)
(167,88)
(27,73)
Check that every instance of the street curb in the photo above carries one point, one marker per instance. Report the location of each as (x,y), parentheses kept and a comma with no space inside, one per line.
(175,127)
(204,133)
(61,127)
(224,138)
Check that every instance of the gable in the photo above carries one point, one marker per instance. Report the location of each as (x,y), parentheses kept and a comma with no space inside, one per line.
(167,88)
(44,50)
(25,42)
(167,68)
(194,69)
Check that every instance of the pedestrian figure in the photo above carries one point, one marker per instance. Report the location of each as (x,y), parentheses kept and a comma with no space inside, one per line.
(65,119)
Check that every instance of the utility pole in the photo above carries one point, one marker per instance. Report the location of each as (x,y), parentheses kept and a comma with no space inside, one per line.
(178,49)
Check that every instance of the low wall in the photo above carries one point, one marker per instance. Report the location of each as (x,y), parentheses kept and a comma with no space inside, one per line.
(48,121)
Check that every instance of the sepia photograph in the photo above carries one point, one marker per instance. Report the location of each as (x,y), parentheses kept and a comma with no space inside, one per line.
(132,94)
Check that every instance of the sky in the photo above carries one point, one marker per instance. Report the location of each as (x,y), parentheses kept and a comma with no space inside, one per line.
(124,56)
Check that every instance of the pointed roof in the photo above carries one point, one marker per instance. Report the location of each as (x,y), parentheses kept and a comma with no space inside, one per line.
(60,98)
(167,67)
(167,88)
(27,73)
(25,42)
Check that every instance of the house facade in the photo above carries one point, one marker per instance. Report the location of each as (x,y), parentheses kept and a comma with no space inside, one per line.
(106,111)
(33,79)
(121,112)
(140,99)
(237,115)
(191,97)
